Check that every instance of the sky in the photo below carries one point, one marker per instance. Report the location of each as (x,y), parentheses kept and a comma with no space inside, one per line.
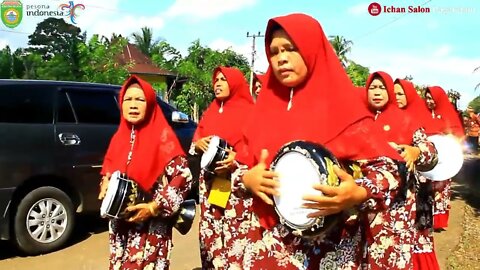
(440,47)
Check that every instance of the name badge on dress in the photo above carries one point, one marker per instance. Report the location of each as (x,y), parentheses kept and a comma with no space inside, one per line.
(220,192)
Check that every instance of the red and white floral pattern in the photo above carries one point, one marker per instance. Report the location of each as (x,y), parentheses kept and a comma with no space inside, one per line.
(147,245)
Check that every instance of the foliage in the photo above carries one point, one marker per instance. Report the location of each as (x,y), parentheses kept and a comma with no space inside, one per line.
(166,56)
(144,41)
(98,61)
(475,104)
(357,73)
(6,63)
(342,47)
(198,66)
(54,50)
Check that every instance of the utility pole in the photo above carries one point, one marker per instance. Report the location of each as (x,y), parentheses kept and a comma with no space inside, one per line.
(254,52)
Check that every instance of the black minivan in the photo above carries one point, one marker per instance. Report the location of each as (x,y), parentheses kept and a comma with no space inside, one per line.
(53,137)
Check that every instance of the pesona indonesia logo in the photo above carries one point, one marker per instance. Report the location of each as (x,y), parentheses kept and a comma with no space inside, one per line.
(12,13)
(70,10)
(374,9)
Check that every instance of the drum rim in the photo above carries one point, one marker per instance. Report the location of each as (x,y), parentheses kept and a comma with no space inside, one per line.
(110,194)
(212,150)
(303,145)
(311,221)
(220,154)
(430,174)
(119,197)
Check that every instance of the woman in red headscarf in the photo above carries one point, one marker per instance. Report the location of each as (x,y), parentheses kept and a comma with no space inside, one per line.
(304,87)
(444,113)
(258,80)
(143,149)
(411,104)
(222,221)
(406,133)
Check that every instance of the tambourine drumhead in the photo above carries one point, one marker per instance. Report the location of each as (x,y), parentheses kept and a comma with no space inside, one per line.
(298,174)
(300,165)
(209,155)
(110,195)
(450,158)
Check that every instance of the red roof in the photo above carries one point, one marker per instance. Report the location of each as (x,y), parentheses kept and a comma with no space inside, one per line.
(141,64)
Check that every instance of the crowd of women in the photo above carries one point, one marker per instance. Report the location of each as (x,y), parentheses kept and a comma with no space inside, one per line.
(389,210)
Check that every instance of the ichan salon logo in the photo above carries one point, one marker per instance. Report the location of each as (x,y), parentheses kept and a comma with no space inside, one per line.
(375,9)
(71,10)
(12,13)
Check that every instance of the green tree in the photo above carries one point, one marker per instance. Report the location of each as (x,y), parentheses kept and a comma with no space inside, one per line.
(144,41)
(475,104)
(166,56)
(57,68)
(113,38)
(197,66)
(342,47)
(6,63)
(358,73)
(98,60)
(420,89)
(57,41)
(18,66)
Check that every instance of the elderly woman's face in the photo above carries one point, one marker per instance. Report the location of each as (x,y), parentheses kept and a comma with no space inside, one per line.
(220,87)
(286,61)
(134,104)
(429,100)
(400,96)
(257,88)
(377,94)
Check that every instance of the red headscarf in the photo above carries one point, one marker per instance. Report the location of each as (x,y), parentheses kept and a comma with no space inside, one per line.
(155,142)
(325,107)
(236,108)
(450,121)
(417,108)
(397,126)
(259,77)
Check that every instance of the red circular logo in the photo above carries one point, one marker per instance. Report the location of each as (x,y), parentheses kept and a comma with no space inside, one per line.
(374,9)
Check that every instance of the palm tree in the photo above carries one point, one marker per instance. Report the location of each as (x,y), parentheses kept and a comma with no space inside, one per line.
(144,41)
(114,38)
(341,47)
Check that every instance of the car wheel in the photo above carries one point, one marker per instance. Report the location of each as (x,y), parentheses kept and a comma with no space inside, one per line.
(44,221)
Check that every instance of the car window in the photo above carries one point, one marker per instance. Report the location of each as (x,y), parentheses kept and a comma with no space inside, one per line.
(64,109)
(26,104)
(94,106)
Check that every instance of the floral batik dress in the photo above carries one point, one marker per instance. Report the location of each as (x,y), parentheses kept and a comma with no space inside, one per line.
(147,245)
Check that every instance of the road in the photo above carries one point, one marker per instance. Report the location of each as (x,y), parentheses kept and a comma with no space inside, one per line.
(89,251)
